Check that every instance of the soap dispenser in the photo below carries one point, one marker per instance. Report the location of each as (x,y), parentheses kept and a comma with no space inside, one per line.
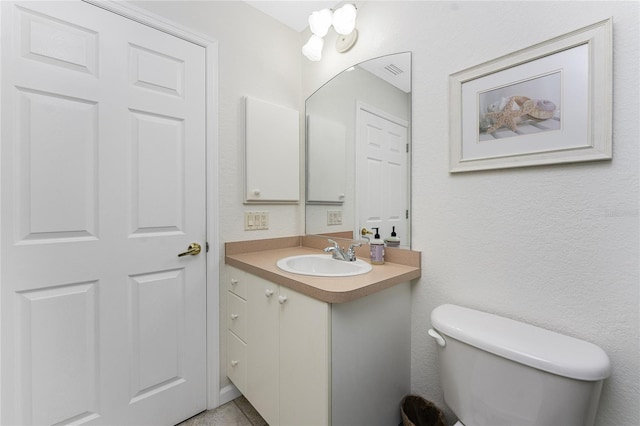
(393,240)
(377,249)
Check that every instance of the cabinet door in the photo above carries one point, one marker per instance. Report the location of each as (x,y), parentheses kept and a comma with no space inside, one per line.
(262,347)
(304,359)
(272,150)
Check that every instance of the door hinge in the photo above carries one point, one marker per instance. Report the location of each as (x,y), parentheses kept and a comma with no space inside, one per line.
(206,247)
(406,216)
(407,148)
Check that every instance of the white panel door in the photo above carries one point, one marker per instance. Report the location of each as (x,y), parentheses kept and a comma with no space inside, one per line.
(382,173)
(103,184)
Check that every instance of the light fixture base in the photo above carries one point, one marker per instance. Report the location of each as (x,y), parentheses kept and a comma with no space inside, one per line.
(344,43)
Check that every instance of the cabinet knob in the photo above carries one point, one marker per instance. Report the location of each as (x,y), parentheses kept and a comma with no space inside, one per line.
(234,362)
(234,316)
(256,192)
(268,292)
(282,299)
(234,281)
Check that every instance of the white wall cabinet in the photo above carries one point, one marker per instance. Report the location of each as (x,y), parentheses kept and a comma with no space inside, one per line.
(326,160)
(272,152)
(299,360)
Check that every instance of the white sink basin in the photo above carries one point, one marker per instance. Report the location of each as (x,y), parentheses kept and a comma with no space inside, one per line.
(322,265)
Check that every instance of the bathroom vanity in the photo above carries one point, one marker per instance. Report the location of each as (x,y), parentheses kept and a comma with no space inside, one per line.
(318,350)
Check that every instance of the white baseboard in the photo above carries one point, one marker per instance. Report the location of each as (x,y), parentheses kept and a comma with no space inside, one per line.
(228,393)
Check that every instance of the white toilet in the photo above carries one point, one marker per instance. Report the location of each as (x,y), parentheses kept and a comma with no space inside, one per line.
(495,371)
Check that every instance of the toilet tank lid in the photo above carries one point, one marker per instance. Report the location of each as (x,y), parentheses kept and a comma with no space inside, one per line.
(523,343)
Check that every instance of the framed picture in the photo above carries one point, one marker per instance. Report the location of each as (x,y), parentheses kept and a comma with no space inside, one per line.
(549,103)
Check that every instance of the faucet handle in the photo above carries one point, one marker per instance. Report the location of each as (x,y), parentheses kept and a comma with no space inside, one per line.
(354,245)
(351,254)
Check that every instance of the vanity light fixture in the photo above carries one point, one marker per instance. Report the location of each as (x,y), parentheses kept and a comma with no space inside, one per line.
(343,21)
(320,21)
(313,49)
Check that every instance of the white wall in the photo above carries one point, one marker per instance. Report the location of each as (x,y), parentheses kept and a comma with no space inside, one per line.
(555,246)
(260,57)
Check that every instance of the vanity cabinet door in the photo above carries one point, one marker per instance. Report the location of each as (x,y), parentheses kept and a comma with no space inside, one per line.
(263,348)
(304,359)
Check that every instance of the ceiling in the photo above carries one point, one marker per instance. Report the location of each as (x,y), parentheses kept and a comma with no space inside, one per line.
(294,14)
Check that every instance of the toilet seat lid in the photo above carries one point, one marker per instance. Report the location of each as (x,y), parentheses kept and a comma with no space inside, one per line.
(523,343)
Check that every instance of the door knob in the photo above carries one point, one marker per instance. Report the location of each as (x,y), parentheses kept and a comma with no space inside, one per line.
(194,248)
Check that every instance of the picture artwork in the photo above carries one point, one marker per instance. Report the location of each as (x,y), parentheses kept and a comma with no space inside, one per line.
(524,108)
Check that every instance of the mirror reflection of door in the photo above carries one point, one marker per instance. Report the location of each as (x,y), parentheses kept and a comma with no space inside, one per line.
(382,172)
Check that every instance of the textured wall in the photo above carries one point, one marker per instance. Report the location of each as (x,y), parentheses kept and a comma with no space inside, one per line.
(555,246)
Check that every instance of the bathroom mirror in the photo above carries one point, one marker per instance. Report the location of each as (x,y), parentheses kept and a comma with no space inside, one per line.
(358,151)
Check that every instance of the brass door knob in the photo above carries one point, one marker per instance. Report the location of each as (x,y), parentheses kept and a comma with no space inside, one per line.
(194,248)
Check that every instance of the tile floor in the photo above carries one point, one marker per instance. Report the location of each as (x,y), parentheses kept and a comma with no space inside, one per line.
(234,413)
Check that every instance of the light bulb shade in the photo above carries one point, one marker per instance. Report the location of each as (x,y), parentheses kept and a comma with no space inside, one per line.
(344,19)
(320,21)
(313,49)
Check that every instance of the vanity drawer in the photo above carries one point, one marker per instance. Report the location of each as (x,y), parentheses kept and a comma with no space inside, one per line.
(237,315)
(237,361)
(237,281)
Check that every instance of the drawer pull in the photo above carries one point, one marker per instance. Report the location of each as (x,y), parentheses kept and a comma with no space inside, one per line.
(234,281)
(234,363)
(234,316)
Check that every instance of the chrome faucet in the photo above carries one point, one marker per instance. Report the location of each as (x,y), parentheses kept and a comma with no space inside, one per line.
(339,253)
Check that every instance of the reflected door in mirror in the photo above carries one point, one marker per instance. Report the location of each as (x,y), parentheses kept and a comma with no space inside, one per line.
(382,172)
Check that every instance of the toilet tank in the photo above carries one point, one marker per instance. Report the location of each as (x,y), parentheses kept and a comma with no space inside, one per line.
(496,371)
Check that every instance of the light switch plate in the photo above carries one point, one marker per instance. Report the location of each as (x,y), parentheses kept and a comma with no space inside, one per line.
(254,221)
(334,217)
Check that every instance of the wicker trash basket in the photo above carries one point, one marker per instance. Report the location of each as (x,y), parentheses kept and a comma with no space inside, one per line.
(417,411)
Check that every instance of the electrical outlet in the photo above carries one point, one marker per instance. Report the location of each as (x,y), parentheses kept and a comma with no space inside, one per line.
(334,217)
(254,221)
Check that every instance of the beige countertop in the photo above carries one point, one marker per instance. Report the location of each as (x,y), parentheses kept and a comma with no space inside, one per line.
(259,258)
